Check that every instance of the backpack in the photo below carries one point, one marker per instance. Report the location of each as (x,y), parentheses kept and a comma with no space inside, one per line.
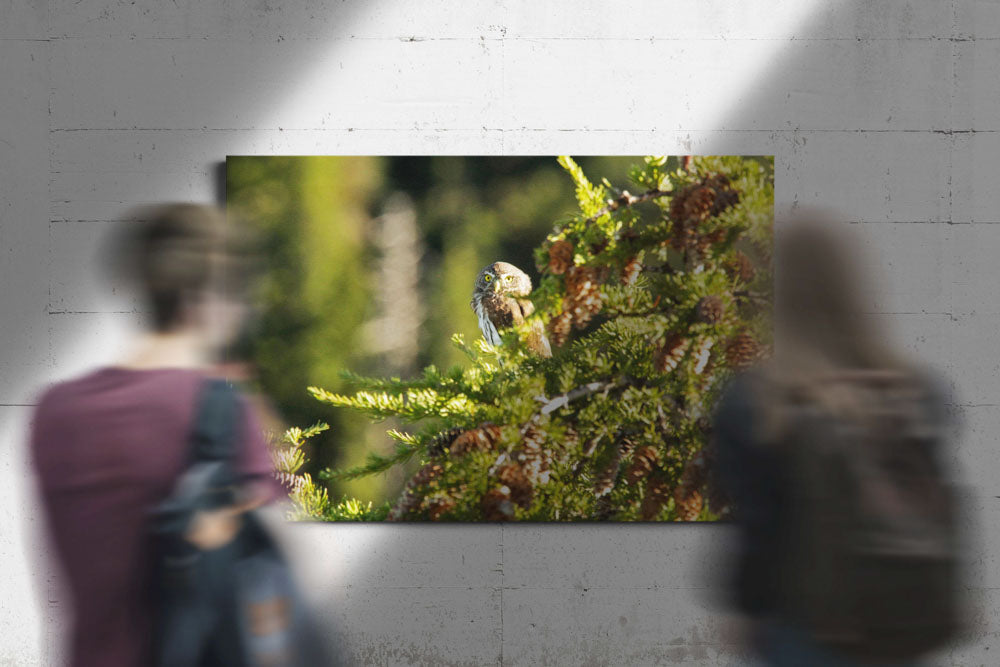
(873,554)
(235,605)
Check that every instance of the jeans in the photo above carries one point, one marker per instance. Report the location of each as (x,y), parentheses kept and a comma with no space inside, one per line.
(785,645)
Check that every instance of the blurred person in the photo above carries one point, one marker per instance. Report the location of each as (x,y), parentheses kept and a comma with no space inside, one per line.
(109,446)
(832,455)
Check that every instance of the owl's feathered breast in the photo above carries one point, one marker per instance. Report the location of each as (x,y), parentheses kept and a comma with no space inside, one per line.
(496,312)
(504,311)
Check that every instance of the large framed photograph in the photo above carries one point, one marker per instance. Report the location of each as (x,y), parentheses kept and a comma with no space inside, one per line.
(462,338)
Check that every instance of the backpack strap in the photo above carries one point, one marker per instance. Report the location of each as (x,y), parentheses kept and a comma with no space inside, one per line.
(216,423)
(209,480)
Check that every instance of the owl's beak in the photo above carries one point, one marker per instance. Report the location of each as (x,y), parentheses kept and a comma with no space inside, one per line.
(496,286)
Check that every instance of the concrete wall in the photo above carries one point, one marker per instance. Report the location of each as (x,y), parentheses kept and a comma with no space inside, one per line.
(888,111)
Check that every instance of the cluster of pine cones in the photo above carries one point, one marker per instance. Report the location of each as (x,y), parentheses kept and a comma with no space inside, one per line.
(517,475)
(741,352)
(420,494)
(645,469)
(583,292)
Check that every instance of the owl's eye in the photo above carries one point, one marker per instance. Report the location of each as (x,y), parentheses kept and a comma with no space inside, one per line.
(488,278)
(508,278)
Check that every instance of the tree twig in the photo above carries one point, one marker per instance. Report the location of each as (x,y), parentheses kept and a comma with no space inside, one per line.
(553,404)
(625,200)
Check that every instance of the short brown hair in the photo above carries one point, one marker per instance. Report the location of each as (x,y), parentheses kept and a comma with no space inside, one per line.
(176,251)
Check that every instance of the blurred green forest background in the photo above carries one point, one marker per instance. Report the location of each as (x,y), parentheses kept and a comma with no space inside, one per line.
(367,264)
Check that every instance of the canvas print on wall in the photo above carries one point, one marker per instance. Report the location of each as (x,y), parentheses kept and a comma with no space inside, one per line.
(503,338)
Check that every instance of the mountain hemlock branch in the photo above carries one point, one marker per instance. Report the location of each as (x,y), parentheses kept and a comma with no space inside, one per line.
(650,301)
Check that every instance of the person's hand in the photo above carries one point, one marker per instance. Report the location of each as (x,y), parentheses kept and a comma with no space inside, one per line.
(211,529)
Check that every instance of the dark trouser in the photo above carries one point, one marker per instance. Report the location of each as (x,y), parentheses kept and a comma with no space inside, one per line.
(785,645)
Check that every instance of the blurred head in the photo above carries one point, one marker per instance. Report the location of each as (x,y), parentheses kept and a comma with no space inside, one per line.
(819,304)
(821,329)
(186,263)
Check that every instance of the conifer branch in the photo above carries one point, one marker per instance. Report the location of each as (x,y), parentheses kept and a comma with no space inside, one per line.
(374,463)
(654,309)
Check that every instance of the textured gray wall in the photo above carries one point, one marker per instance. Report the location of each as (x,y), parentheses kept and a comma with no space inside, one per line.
(889,111)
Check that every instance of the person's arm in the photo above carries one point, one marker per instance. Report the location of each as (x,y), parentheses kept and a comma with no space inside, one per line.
(211,529)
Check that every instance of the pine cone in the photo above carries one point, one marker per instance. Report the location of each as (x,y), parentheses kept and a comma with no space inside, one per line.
(688,506)
(702,355)
(560,257)
(656,496)
(696,203)
(571,439)
(707,375)
(443,440)
(491,431)
(633,267)
(607,477)
(583,295)
(533,439)
(725,196)
(626,445)
(480,439)
(726,199)
(645,459)
(668,355)
(706,241)
(717,235)
(685,234)
(410,501)
(742,351)
(739,267)
(438,507)
(536,466)
(687,496)
(496,506)
(426,475)
(710,309)
(693,203)
(533,456)
(516,480)
(414,492)
(559,328)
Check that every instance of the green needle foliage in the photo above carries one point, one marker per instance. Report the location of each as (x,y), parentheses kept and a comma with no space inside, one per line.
(309,500)
(651,300)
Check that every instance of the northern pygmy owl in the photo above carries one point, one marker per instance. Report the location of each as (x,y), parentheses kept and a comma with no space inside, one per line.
(499,303)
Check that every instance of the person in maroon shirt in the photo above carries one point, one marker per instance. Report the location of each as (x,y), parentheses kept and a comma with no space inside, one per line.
(108,446)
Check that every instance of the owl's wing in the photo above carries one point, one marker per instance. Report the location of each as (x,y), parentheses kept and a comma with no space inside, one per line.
(483,314)
(519,310)
(536,339)
(527,308)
